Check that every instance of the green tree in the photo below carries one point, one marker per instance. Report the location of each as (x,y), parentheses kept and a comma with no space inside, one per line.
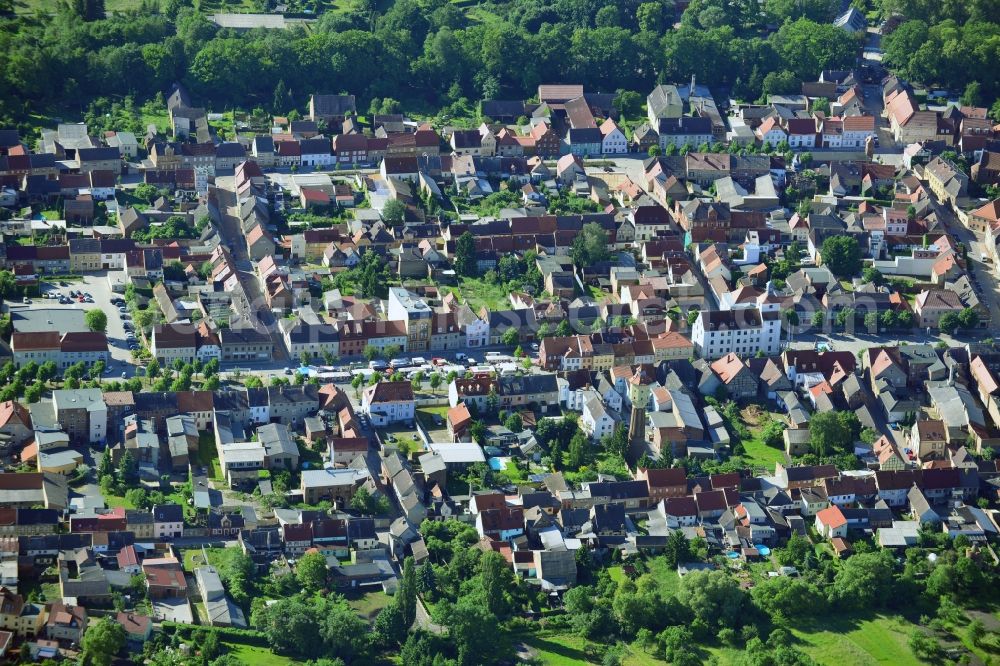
(810,47)
(924,646)
(513,422)
(418,380)
(492,402)
(33,393)
(102,641)
(96,320)
(577,452)
(677,550)
(363,502)
(842,255)
(617,442)
(388,628)
(968,318)
(46,372)
(137,497)
(311,571)
(872,275)
(864,581)
(828,434)
(465,255)
(510,337)
(435,381)
(713,597)
(590,245)
(106,466)
(394,212)
(128,469)
(949,323)
(407,593)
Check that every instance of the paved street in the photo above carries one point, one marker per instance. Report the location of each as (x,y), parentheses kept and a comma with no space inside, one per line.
(232,236)
(983,271)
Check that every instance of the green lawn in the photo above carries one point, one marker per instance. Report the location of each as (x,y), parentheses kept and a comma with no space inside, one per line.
(49,6)
(664,575)
(558,649)
(207,456)
(116,501)
(368,605)
(407,445)
(846,642)
(759,453)
(308,454)
(51,593)
(841,641)
(479,293)
(256,656)
(426,415)
(161,120)
(216,557)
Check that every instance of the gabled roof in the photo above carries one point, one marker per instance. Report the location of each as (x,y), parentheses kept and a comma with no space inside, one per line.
(832,517)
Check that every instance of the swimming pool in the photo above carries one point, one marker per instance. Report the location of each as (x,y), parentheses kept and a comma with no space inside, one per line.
(498,464)
(763,550)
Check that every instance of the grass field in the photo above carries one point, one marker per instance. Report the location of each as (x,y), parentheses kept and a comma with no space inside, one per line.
(559,649)
(426,414)
(756,451)
(116,501)
(846,642)
(478,293)
(368,605)
(256,656)
(208,456)
(216,557)
(49,6)
(759,453)
(840,642)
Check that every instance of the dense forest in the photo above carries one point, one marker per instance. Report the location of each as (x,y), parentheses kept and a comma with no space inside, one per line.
(429,54)
(419,52)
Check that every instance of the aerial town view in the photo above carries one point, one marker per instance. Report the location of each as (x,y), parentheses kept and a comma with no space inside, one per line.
(495,332)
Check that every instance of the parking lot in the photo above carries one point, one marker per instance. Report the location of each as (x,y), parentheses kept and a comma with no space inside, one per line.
(100,292)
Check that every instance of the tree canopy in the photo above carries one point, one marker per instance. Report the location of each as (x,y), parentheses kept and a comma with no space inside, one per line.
(842,255)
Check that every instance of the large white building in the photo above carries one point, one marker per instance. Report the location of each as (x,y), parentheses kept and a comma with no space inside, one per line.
(743,331)
(389,402)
